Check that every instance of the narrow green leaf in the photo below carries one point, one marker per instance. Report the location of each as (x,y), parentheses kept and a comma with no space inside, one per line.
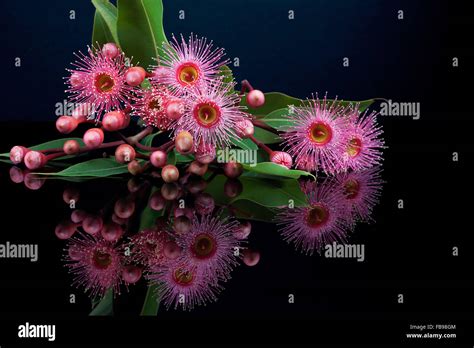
(265,136)
(99,167)
(152,302)
(277,192)
(106,305)
(171,158)
(245,144)
(267,192)
(273,101)
(140,29)
(148,140)
(270,168)
(105,22)
(226,74)
(183,158)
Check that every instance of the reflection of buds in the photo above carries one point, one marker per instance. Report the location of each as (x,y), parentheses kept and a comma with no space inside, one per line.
(243,230)
(111,232)
(204,203)
(131,274)
(33,182)
(171,250)
(232,188)
(65,230)
(182,224)
(233,169)
(71,194)
(124,208)
(196,184)
(92,224)
(157,202)
(16,175)
(251,257)
(77,216)
(170,191)
(197,168)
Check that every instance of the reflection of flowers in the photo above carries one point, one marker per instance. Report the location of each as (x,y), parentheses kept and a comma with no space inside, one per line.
(361,191)
(95,263)
(210,246)
(181,284)
(319,223)
(333,207)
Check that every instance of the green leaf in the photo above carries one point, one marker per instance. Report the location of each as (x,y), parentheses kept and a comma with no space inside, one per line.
(171,158)
(279,119)
(105,306)
(245,144)
(53,144)
(99,167)
(273,169)
(265,136)
(271,192)
(152,301)
(140,29)
(183,158)
(148,140)
(226,74)
(273,101)
(105,23)
(267,192)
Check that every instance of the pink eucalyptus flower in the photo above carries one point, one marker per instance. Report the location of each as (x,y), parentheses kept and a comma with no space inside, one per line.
(99,81)
(186,65)
(318,135)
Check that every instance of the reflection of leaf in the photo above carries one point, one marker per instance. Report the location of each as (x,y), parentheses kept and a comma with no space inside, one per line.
(152,301)
(249,210)
(99,167)
(105,305)
(149,216)
(266,192)
(270,168)
(53,144)
(105,22)
(140,29)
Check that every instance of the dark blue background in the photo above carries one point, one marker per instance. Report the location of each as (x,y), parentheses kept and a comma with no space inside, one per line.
(388,57)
